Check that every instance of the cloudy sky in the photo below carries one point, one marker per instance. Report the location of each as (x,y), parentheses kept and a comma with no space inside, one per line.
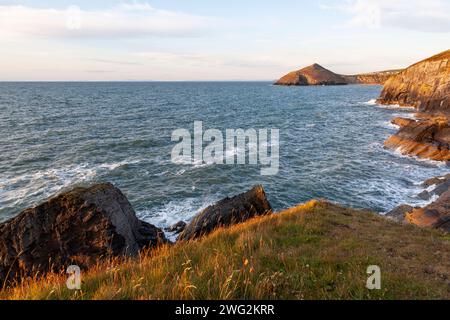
(214,40)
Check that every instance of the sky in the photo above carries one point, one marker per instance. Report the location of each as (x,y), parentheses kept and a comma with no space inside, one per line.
(184,40)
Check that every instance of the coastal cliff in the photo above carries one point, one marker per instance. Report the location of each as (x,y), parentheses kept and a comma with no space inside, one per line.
(371,78)
(318,75)
(425,86)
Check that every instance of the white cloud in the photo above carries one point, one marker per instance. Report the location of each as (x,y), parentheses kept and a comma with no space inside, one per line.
(421,15)
(122,21)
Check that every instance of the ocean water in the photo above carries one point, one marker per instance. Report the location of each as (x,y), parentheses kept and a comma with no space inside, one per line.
(55,136)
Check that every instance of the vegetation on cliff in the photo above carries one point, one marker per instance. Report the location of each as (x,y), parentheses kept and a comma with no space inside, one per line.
(316,250)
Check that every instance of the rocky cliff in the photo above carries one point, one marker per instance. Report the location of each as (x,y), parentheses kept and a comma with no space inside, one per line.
(78,227)
(424,138)
(426,86)
(436,214)
(371,78)
(318,75)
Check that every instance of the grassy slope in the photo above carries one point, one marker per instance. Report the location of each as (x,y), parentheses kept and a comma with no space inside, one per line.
(314,251)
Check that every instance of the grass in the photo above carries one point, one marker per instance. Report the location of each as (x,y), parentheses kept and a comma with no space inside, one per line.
(317,250)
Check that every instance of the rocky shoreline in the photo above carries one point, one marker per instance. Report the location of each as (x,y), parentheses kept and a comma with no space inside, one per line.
(436,214)
(86,225)
(426,87)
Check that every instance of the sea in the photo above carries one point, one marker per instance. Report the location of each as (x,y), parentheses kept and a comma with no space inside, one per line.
(59,135)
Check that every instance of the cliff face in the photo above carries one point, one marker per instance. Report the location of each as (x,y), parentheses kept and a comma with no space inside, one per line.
(424,85)
(318,75)
(371,78)
(312,75)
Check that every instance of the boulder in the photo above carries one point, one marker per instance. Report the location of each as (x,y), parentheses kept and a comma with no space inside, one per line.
(441,185)
(78,227)
(435,215)
(228,211)
(435,181)
(399,213)
(177,227)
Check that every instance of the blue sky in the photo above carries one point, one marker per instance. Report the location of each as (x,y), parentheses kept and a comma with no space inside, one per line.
(214,40)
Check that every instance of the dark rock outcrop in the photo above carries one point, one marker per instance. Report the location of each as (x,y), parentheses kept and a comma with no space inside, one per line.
(399,213)
(318,75)
(77,227)
(228,211)
(177,227)
(439,185)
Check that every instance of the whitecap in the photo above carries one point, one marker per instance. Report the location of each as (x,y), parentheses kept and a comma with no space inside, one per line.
(399,152)
(390,125)
(394,107)
(170,213)
(371,102)
(116,165)
(48,182)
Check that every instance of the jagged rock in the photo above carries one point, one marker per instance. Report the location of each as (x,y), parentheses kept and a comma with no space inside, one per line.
(399,213)
(318,75)
(228,211)
(402,122)
(77,227)
(177,227)
(428,138)
(424,85)
(435,181)
(435,215)
(424,195)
